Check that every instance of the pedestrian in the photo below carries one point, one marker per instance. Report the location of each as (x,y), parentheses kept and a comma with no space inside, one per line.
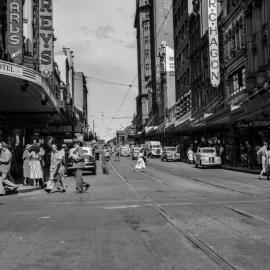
(78,163)
(144,155)
(35,166)
(262,153)
(190,155)
(117,154)
(268,162)
(42,163)
(5,167)
(56,171)
(63,153)
(106,155)
(26,164)
(140,166)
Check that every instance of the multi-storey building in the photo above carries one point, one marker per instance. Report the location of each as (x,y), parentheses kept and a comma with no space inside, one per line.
(154,24)
(81,93)
(181,10)
(34,102)
(142,25)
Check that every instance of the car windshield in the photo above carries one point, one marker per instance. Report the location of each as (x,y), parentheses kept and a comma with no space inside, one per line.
(170,149)
(155,146)
(208,151)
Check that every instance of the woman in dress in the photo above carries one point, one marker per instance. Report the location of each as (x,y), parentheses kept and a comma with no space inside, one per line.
(26,164)
(140,166)
(263,155)
(190,155)
(35,166)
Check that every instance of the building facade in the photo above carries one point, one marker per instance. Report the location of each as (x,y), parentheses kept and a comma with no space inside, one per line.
(36,102)
(155,45)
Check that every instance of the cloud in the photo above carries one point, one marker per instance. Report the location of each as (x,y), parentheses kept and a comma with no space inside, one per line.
(104,31)
(132,45)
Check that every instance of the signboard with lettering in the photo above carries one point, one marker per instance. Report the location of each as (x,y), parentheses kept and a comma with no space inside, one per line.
(46,39)
(15,30)
(213,43)
(158,80)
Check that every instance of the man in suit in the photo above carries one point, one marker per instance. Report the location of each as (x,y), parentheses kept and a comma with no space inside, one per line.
(78,162)
(5,167)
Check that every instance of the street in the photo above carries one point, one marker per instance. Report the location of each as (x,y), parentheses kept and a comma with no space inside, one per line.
(172,216)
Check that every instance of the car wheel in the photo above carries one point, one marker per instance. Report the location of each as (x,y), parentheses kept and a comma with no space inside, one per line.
(201,165)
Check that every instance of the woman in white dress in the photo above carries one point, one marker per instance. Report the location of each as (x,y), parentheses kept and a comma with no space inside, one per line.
(35,167)
(190,155)
(140,166)
(263,153)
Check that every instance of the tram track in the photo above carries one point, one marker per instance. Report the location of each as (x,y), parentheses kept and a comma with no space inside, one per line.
(212,254)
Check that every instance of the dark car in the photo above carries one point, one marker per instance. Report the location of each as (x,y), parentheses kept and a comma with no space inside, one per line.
(89,161)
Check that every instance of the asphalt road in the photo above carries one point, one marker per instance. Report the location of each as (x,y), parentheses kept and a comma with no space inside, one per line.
(172,216)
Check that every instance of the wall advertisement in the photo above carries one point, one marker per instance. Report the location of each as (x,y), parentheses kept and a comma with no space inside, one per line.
(14,37)
(46,39)
(213,43)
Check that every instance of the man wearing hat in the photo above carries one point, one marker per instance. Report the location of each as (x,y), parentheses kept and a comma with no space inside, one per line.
(5,167)
(78,162)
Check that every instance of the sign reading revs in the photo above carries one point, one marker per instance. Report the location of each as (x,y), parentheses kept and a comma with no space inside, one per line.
(213,43)
(46,39)
(15,30)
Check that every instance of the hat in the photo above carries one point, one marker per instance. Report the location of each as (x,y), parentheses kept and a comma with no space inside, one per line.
(4,144)
(28,146)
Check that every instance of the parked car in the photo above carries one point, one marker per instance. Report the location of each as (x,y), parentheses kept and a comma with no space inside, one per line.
(89,161)
(207,157)
(125,151)
(170,153)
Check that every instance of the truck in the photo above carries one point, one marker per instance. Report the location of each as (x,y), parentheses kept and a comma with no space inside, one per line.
(153,149)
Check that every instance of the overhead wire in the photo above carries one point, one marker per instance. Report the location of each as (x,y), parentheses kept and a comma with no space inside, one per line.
(125,97)
(96,80)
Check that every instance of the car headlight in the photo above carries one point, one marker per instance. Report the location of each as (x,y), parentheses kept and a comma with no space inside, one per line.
(218,159)
(204,159)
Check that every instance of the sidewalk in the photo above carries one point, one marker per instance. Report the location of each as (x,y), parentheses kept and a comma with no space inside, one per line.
(26,189)
(241,169)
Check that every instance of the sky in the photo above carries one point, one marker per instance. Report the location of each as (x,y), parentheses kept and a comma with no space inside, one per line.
(102,36)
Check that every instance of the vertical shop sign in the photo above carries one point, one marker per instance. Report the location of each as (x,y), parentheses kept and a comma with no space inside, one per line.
(158,80)
(15,30)
(46,39)
(213,43)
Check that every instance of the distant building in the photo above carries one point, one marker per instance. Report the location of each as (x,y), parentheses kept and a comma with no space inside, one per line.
(80,93)
(154,24)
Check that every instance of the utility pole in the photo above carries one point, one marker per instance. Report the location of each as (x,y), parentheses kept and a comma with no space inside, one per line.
(93,127)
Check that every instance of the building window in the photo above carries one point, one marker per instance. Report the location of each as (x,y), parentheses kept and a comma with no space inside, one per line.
(238,81)
(146,39)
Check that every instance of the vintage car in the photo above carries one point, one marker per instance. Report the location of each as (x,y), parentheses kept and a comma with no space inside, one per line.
(125,151)
(170,153)
(135,151)
(89,161)
(207,157)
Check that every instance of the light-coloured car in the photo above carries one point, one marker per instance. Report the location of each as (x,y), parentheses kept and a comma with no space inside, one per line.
(125,151)
(170,153)
(207,157)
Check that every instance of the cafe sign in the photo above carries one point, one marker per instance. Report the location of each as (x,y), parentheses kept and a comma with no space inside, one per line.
(213,43)
(46,39)
(14,37)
